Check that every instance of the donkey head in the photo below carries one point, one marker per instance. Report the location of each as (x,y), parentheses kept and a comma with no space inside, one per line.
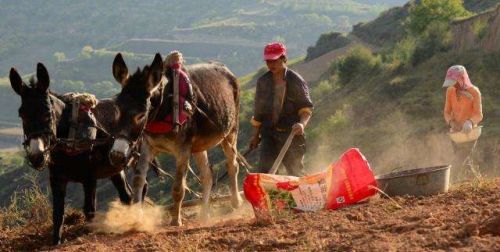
(37,115)
(133,105)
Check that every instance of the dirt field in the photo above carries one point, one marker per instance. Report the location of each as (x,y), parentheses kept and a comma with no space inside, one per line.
(466,219)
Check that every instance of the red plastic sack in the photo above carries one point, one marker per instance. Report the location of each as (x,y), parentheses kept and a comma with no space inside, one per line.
(345,182)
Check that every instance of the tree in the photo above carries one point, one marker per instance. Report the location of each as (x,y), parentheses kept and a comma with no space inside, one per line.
(426,12)
(86,52)
(59,56)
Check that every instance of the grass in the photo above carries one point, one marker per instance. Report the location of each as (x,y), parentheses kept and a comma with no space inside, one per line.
(28,207)
(476,185)
(9,159)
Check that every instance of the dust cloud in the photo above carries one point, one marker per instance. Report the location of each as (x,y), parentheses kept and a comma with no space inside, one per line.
(122,218)
(395,146)
(223,213)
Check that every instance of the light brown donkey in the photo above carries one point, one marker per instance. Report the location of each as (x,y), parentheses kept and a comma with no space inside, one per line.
(217,95)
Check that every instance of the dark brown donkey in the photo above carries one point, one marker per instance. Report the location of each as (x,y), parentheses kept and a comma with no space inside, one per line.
(217,95)
(45,117)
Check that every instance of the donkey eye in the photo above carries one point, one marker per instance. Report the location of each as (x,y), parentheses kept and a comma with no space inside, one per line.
(140,117)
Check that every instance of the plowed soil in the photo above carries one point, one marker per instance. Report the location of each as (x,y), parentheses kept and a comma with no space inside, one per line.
(465,219)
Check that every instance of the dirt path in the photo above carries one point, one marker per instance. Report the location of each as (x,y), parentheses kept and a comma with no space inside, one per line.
(312,70)
(467,218)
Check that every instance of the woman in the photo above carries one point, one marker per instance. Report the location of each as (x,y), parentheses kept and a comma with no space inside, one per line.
(462,112)
(463,109)
(178,97)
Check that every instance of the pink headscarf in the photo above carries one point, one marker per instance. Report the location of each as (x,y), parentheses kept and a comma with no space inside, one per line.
(457,74)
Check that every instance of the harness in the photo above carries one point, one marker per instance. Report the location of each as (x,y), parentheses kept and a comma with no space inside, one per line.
(135,144)
(71,145)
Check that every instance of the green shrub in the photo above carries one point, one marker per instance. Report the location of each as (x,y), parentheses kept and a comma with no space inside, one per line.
(436,39)
(403,52)
(359,60)
(480,29)
(323,88)
(29,206)
(331,127)
(427,12)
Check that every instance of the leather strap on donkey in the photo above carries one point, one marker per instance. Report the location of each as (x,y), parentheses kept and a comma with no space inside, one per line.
(82,124)
(175,102)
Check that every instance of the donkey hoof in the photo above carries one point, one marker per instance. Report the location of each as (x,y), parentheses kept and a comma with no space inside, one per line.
(89,217)
(176,223)
(56,242)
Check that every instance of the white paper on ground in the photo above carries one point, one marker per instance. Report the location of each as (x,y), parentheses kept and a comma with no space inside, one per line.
(310,197)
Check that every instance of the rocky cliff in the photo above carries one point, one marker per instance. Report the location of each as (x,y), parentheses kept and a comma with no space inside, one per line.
(480,31)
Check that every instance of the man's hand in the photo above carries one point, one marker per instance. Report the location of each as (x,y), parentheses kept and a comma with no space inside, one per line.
(254,142)
(298,129)
(455,127)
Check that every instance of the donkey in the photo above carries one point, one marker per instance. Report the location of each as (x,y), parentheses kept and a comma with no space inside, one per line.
(216,93)
(45,120)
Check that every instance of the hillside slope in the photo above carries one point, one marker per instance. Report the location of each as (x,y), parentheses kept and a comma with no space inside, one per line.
(34,31)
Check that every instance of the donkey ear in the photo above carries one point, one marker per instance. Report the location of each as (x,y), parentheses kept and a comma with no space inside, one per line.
(120,70)
(155,73)
(16,81)
(42,76)
(157,68)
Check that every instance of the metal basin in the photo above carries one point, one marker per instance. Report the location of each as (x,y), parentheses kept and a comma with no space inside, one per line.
(416,182)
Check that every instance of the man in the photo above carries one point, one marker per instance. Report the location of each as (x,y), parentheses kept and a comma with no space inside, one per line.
(282,106)
(462,113)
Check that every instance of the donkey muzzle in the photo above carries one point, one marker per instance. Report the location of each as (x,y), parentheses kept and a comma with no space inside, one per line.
(38,161)
(120,152)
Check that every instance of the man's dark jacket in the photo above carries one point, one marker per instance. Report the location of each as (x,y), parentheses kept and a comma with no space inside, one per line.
(296,100)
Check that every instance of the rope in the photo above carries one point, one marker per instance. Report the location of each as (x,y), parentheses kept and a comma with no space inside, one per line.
(161,173)
(385,194)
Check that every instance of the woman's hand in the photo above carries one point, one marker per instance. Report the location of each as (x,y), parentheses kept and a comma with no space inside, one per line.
(455,127)
(467,127)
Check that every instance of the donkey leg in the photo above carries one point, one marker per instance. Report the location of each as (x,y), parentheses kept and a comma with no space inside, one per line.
(229,148)
(58,188)
(144,191)
(89,206)
(123,188)
(201,159)
(140,172)
(179,186)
